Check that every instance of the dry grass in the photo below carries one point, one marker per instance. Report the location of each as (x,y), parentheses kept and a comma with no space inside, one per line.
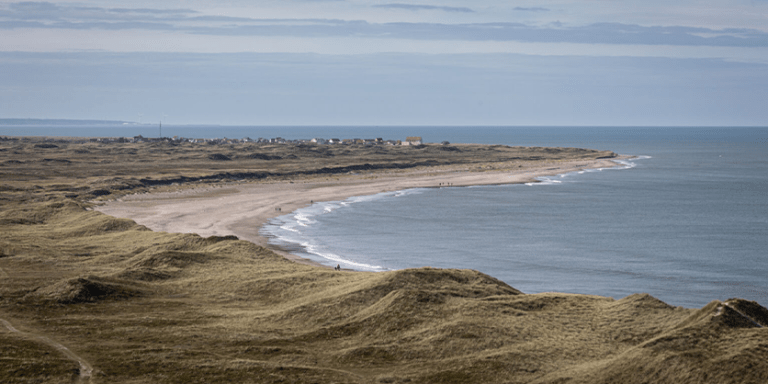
(147,307)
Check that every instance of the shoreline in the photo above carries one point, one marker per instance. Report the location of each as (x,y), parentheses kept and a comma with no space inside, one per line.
(242,209)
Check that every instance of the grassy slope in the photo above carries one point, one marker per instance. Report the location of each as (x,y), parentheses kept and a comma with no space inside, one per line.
(150,307)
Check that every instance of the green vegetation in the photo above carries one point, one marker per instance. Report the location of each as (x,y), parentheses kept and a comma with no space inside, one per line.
(147,307)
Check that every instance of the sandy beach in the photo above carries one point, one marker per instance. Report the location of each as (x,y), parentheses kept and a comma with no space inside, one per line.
(241,209)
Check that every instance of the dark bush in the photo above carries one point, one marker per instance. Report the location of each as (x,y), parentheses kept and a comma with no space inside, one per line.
(219,157)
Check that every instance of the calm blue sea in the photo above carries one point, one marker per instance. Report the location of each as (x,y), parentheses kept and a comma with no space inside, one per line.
(687,221)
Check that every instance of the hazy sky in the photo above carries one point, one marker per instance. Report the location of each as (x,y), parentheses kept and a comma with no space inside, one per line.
(355,62)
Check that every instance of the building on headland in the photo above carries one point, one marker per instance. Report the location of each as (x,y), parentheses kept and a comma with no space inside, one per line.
(412,140)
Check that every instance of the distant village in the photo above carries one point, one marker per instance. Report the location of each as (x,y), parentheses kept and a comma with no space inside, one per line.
(411,140)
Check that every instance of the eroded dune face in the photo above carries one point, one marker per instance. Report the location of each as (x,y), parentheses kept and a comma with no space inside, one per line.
(133,305)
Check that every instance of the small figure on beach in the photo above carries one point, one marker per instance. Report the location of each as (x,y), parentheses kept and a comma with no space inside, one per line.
(338,267)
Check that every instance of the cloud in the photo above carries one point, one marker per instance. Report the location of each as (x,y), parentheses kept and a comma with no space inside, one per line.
(531,9)
(29,6)
(53,12)
(598,33)
(43,15)
(416,7)
(147,11)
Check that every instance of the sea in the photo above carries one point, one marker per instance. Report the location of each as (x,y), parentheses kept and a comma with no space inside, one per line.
(685,219)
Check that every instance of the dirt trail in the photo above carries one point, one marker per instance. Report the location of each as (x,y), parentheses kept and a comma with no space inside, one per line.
(86,370)
(740,313)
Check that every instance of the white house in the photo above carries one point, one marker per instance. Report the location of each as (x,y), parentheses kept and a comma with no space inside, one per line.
(412,140)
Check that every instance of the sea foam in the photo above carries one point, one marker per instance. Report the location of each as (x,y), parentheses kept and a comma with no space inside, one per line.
(286,230)
(621,164)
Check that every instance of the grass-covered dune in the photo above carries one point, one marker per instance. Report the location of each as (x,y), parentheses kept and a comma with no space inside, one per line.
(92,298)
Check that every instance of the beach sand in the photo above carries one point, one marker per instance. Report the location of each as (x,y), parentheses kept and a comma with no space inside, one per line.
(242,209)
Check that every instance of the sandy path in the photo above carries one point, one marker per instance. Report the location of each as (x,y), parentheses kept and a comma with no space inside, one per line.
(242,209)
(86,370)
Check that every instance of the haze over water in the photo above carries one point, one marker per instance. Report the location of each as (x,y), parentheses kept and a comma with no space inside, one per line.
(686,222)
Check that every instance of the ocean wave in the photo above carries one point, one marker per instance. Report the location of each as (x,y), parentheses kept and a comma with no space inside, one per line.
(303,219)
(345,263)
(285,231)
(621,164)
(289,228)
(545,181)
(629,163)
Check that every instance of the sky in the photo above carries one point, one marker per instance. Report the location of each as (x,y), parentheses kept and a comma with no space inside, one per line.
(400,62)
